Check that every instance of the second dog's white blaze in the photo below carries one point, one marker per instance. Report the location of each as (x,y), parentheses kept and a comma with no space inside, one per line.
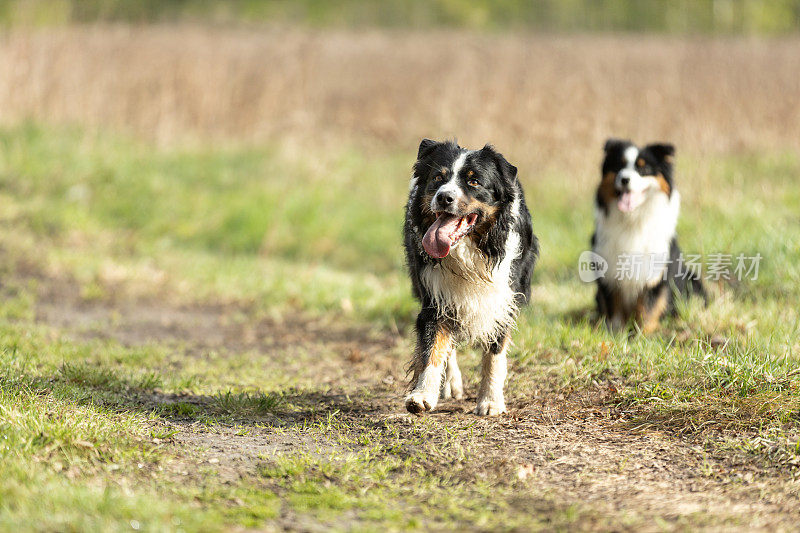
(493,378)
(467,290)
(637,182)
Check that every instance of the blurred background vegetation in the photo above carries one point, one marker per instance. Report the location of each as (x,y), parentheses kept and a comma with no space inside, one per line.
(681,17)
(202,200)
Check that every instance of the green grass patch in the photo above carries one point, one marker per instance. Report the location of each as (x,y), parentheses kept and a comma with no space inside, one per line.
(275,234)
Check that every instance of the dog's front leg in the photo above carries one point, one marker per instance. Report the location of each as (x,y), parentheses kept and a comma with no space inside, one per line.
(493,377)
(434,345)
(651,307)
(616,313)
(453,386)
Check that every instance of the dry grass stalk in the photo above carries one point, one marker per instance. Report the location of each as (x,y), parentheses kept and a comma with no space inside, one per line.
(542,99)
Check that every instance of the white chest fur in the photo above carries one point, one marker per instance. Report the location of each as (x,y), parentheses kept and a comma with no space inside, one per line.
(465,289)
(636,245)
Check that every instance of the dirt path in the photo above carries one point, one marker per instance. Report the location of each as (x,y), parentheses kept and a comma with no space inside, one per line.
(289,341)
(574,448)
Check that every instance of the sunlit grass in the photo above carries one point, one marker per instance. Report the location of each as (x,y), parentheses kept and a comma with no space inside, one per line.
(278,233)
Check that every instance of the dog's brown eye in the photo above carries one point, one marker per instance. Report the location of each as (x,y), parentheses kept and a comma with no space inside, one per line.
(438,177)
(473,183)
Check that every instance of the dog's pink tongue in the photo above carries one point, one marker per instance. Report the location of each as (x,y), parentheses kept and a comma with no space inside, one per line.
(437,239)
(625,202)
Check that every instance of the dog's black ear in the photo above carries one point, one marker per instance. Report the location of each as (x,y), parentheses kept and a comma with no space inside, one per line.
(507,170)
(663,151)
(425,146)
(613,144)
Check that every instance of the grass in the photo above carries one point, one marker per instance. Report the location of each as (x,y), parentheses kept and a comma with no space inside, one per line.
(547,101)
(65,465)
(699,17)
(89,425)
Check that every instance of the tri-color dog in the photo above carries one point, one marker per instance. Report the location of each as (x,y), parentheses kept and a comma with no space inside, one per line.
(637,209)
(470,250)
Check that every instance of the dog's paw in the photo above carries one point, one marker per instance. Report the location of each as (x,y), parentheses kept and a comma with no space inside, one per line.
(452,388)
(418,402)
(456,389)
(490,408)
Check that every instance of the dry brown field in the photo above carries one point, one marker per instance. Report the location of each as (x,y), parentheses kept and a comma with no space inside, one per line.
(544,99)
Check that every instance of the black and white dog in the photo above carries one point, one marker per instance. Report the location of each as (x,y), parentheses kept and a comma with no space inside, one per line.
(470,250)
(636,216)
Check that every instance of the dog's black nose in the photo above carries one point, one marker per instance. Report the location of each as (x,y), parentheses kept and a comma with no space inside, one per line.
(624,181)
(445,199)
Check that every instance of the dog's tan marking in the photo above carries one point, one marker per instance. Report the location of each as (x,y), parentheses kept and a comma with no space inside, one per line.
(440,351)
(428,378)
(649,317)
(607,190)
(488,211)
(488,220)
(640,162)
(663,184)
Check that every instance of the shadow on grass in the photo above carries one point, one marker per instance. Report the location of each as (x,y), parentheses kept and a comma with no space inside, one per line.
(109,389)
(581,315)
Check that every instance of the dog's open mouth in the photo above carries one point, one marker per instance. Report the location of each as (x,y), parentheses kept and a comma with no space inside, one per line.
(629,200)
(445,232)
